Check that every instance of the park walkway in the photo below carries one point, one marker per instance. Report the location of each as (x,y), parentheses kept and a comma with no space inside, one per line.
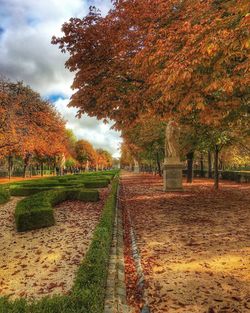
(194,246)
(5,180)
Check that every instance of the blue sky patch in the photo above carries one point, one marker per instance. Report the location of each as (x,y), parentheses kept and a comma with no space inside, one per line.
(32,21)
(2,30)
(55,97)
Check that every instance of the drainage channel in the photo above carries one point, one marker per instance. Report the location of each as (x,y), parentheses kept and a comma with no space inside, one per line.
(116,296)
(139,270)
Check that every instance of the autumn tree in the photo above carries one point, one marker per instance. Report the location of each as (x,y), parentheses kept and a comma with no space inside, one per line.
(126,157)
(85,153)
(30,126)
(71,143)
(103,159)
(166,58)
(145,140)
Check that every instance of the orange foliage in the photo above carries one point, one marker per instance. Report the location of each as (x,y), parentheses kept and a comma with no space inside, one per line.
(85,152)
(29,125)
(103,159)
(163,57)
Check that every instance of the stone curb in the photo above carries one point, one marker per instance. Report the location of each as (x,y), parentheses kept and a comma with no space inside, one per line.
(139,269)
(116,296)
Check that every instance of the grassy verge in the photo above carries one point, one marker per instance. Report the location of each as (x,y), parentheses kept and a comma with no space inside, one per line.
(88,292)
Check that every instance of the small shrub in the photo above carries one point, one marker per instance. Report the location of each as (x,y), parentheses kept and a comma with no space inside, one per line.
(4,195)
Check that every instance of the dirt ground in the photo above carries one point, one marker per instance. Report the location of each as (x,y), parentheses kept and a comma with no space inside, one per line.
(43,262)
(5,180)
(195,245)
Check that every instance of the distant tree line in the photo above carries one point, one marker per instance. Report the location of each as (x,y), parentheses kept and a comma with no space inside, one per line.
(33,135)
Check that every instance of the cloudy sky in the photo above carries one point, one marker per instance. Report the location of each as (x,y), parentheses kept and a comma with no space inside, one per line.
(26,28)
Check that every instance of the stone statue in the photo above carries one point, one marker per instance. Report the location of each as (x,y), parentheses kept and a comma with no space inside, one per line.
(136,166)
(61,163)
(172,148)
(172,169)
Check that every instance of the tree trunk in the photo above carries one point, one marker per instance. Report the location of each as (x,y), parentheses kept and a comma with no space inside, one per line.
(24,170)
(216,167)
(209,164)
(87,166)
(136,166)
(158,164)
(26,163)
(202,174)
(190,159)
(10,165)
(42,169)
(221,165)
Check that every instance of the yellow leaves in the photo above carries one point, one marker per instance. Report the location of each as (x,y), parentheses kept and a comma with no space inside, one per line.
(186,75)
(212,49)
(223,85)
(228,86)
(246,44)
(212,87)
(200,106)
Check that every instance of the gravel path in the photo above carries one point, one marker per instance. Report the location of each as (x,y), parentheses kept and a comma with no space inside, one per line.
(43,262)
(195,245)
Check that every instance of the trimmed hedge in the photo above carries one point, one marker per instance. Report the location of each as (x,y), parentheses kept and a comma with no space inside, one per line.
(238,176)
(27,191)
(96,184)
(42,182)
(90,283)
(31,190)
(88,292)
(37,211)
(4,195)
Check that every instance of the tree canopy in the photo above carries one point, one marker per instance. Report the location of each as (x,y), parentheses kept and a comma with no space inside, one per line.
(166,57)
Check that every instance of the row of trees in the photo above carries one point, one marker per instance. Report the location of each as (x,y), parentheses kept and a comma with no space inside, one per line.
(144,143)
(33,132)
(30,126)
(85,157)
(147,62)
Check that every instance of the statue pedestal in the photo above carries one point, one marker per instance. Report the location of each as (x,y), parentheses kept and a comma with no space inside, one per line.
(172,176)
(136,169)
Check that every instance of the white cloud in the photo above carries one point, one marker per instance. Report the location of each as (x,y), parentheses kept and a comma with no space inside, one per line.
(26,53)
(98,133)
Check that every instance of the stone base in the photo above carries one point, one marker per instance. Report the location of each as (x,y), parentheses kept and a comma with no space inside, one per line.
(172,177)
(136,169)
